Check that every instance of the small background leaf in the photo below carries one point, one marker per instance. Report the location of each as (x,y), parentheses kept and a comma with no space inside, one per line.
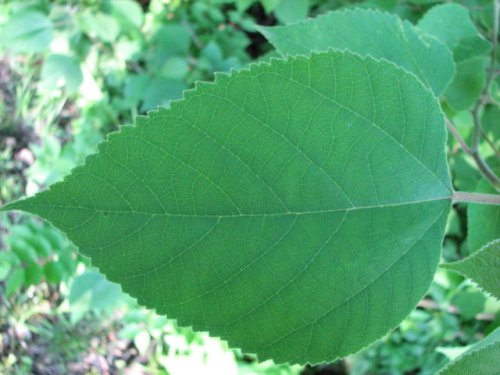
(369,32)
(451,24)
(480,359)
(482,267)
(483,221)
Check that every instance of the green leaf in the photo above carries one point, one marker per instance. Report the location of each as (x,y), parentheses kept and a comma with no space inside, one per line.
(99,25)
(482,267)
(61,71)
(481,359)
(295,209)
(483,221)
(128,12)
(369,32)
(451,24)
(27,32)
(99,292)
(160,91)
(54,272)
(24,251)
(469,303)
(5,264)
(292,10)
(14,281)
(33,273)
(467,84)
(270,5)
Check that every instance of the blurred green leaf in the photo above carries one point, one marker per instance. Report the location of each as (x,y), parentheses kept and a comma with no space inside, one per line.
(483,221)
(27,32)
(128,12)
(33,273)
(99,25)
(174,68)
(61,71)
(92,292)
(53,271)
(5,266)
(291,10)
(41,245)
(14,281)
(469,80)
(470,302)
(270,5)
(160,91)
(24,251)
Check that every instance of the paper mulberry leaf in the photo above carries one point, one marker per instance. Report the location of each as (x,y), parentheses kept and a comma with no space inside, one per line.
(482,267)
(369,32)
(295,209)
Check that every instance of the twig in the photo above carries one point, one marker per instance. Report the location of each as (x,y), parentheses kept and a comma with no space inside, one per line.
(489,141)
(458,137)
(481,164)
(462,196)
(478,108)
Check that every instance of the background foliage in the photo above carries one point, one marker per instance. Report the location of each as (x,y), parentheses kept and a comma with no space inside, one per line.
(72,71)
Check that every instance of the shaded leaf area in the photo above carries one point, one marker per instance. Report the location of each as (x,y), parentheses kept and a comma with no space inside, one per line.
(452,24)
(481,359)
(369,32)
(483,267)
(295,209)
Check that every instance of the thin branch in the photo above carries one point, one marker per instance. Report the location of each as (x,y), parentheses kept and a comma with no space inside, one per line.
(462,196)
(481,164)
(458,137)
(478,108)
(489,141)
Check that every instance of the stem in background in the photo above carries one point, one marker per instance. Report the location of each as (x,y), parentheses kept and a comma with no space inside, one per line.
(473,150)
(462,196)
(458,137)
(481,164)
(478,108)
(489,141)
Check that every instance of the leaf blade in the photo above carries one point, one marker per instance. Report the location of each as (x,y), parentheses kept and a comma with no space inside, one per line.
(249,222)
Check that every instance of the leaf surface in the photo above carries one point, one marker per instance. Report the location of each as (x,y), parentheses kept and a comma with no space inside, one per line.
(483,267)
(481,359)
(451,24)
(483,221)
(369,32)
(295,209)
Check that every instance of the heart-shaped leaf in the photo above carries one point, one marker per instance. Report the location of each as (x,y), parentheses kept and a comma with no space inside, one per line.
(295,209)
